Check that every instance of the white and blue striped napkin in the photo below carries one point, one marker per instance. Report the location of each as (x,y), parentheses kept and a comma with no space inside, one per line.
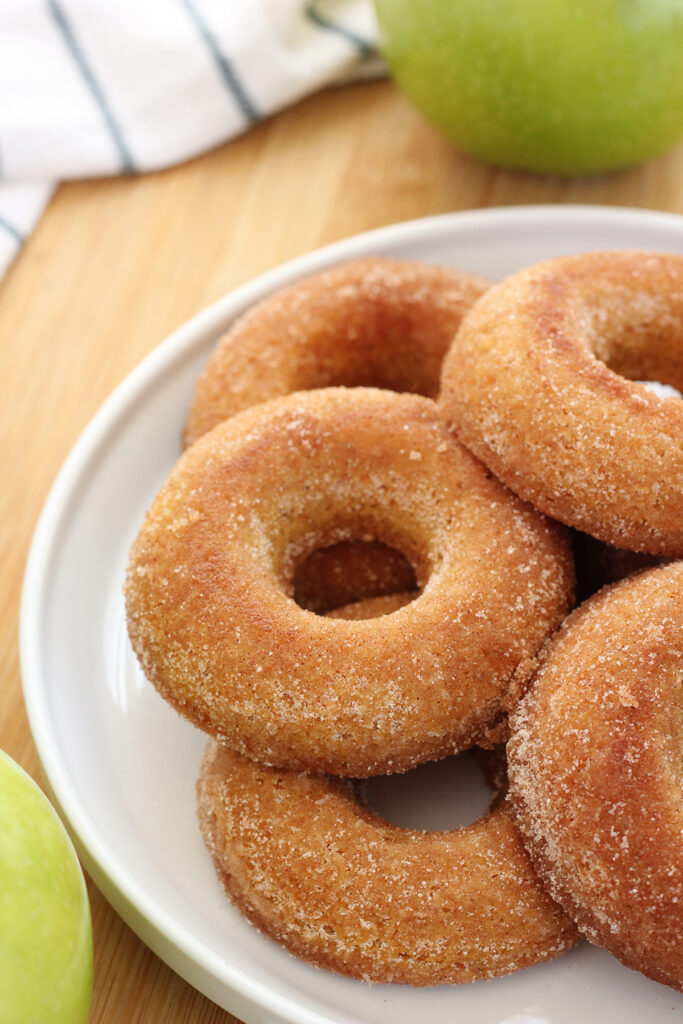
(95,87)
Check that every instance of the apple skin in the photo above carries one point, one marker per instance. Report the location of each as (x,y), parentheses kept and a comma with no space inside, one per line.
(559,86)
(46,954)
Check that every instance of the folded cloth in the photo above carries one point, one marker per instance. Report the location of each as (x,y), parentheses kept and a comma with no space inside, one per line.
(90,87)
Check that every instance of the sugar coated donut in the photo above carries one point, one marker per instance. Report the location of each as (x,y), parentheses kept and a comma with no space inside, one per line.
(314,868)
(596,776)
(372,322)
(213,625)
(536,386)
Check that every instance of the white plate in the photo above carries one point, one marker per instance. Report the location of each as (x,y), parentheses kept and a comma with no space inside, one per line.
(122,765)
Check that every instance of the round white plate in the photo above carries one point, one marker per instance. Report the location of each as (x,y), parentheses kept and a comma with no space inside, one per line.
(122,765)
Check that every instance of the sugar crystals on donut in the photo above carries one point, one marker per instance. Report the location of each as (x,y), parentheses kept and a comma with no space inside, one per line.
(596,774)
(541,382)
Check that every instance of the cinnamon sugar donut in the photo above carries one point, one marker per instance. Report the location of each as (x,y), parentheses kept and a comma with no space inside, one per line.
(318,871)
(213,625)
(371,322)
(536,386)
(596,776)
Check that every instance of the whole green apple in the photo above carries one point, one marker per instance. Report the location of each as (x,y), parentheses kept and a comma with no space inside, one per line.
(45,928)
(561,86)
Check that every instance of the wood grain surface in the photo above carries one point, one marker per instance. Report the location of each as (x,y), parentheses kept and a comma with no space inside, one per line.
(115,265)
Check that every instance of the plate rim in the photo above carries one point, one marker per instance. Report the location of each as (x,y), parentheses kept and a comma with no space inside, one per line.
(156,927)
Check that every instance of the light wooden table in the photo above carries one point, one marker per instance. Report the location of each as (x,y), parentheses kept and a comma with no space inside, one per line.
(115,265)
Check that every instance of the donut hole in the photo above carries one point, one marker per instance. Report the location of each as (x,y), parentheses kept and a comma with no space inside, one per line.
(653,370)
(372,350)
(349,572)
(392,356)
(434,797)
(660,389)
(634,334)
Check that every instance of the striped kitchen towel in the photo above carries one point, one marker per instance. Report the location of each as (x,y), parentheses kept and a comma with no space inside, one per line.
(95,87)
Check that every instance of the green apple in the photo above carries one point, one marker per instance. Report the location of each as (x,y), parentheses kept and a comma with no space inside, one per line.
(561,86)
(45,927)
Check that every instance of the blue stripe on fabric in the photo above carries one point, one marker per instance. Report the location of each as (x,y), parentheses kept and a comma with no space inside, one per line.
(364,48)
(227,72)
(73,46)
(11,230)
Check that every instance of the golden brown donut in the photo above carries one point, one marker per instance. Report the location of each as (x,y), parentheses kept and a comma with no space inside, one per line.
(312,867)
(535,384)
(348,572)
(210,616)
(371,322)
(596,775)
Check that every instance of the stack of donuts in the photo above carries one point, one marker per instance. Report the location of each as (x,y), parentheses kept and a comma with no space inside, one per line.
(365,559)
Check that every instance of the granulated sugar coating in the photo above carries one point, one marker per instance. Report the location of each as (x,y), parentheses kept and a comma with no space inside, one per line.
(596,771)
(214,627)
(316,870)
(536,386)
(370,322)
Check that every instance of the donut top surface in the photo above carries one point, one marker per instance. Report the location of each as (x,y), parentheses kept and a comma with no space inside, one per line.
(541,382)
